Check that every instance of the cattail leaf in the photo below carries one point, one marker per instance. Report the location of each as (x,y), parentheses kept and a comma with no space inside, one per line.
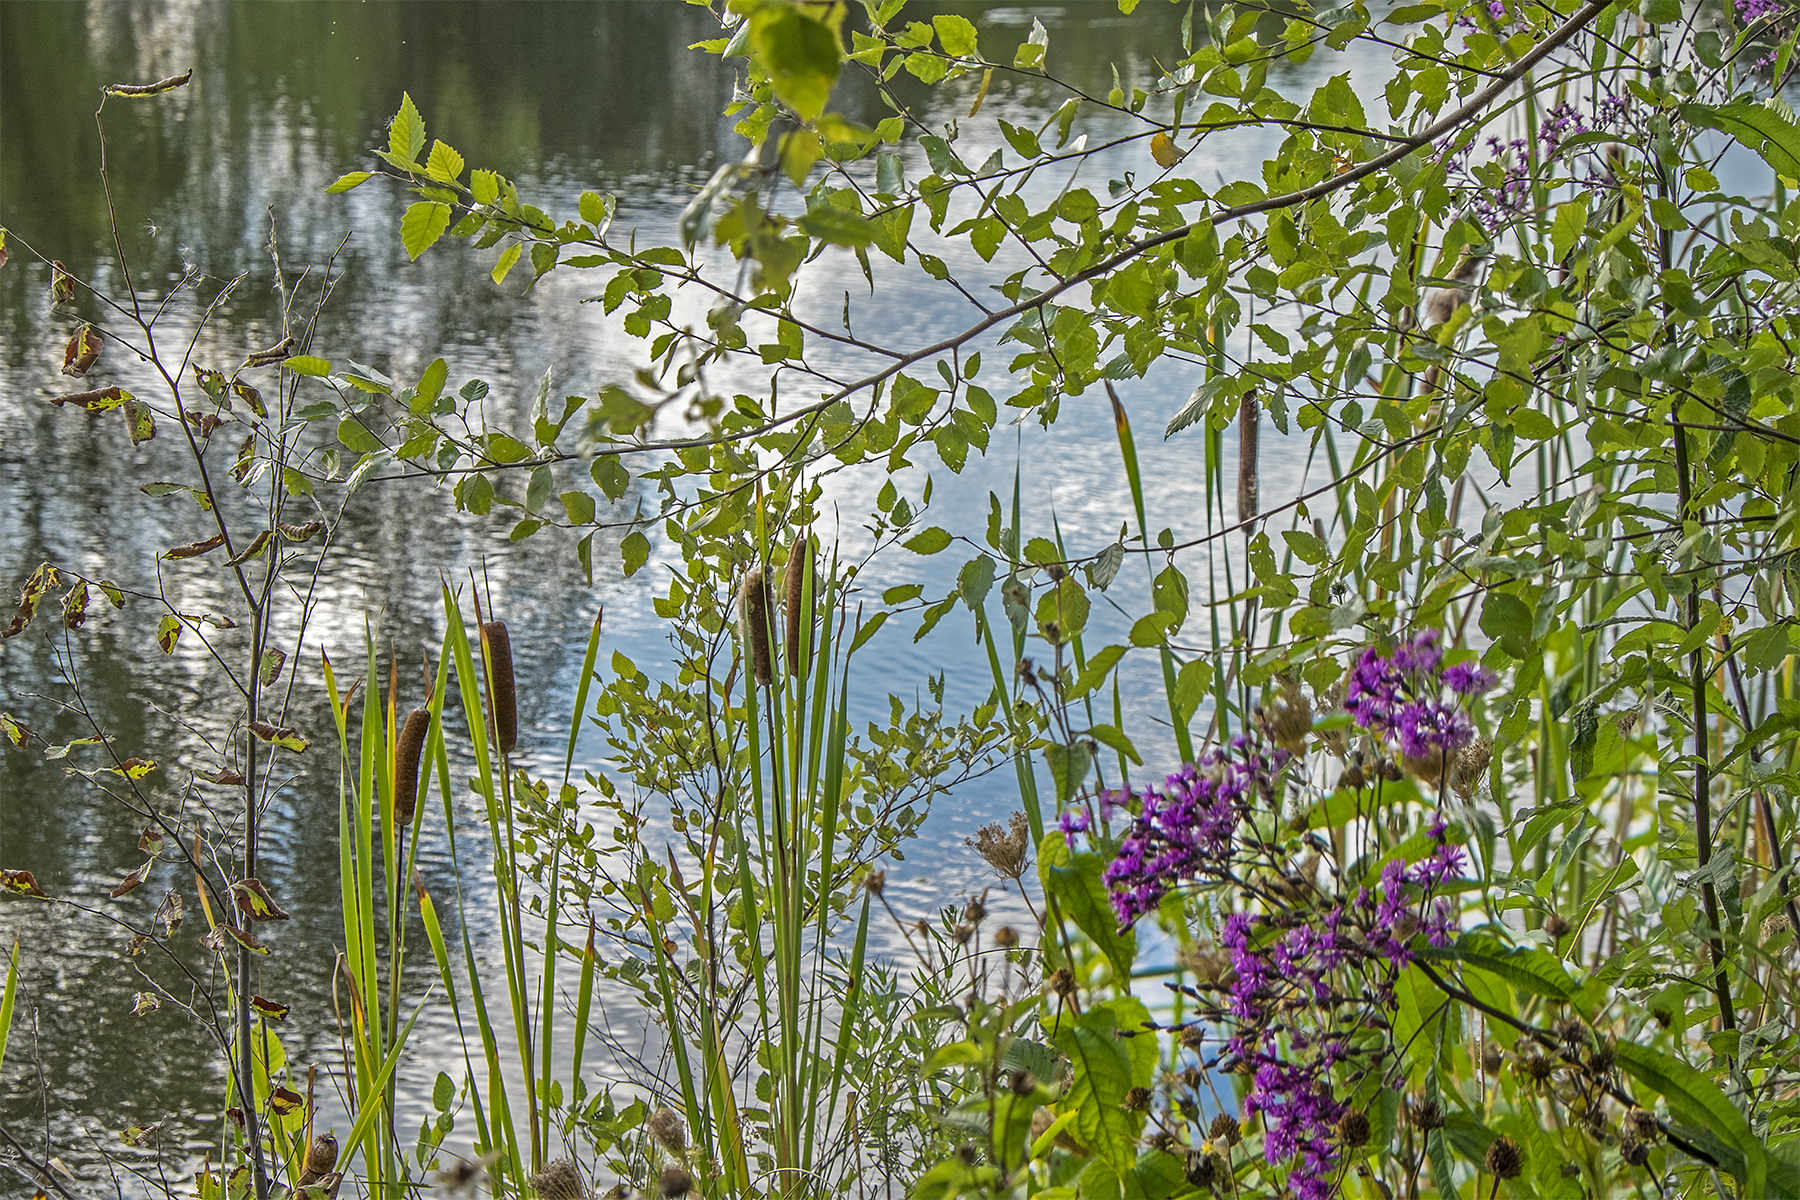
(21,883)
(278,735)
(254,901)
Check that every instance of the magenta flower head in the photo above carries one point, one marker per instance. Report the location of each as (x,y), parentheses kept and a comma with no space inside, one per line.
(1408,698)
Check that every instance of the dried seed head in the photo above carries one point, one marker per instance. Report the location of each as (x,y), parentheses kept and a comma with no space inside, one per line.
(974,910)
(1022,1082)
(753,614)
(1137,1099)
(1206,1170)
(667,1128)
(1192,1037)
(559,1180)
(1164,1140)
(504,722)
(875,882)
(1633,1151)
(675,1182)
(321,1158)
(1353,1128)
(1538,1068)
(1005,847)
(1291,720)
(1006,937)
(1555,925)
(1225,1128)
(1469,765)
(1062,982)
(800,570)
(406,763)
(1503,1159)
(1353,776)
(1427,1115)
(1641,1123)
(1390,771)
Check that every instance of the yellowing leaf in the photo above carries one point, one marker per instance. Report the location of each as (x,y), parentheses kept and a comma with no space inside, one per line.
(1162,149)
(254,901)
(81,352)
(278,735)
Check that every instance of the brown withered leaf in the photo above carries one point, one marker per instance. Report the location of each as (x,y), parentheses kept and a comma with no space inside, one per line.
(98,400)
(62,284)
(140,422)
(268,1008)
(196,549)
(168,913)
(136,945)
(283,1101)
(223,935)
(254,901)
(21,883)
(279,735)
(150,840)
(145,1002)
(301,533)
(205,423)
(257,545)
(41,581)
(82,350)
(273,355)
(224,776)
(247,392)
(246,458)
(211,382)
(75,605)
(133,880)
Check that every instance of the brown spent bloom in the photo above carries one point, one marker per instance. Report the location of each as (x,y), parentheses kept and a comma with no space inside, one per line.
(1503,1159)
(1225,1128)
(1006,937)
(1137,1099)
(1427,1115)
(1555,925)
(667,1127)
(1062,981)
(754,603)
(559,1180)
(1007,848)
(675,1182)
(1469,765)
(1353,1128)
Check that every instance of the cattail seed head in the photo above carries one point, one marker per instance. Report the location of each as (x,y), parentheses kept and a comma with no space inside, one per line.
(1503,1158)
(666,1127)
(675,1182)
(795,579)
(559,1180)
(753,614)
(504,723)
(1249,425)
(406,763)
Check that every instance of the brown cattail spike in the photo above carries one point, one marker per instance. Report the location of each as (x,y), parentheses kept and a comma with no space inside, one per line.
(504,722)
(406,763)
(800,574)
(1249,425)
(753,608)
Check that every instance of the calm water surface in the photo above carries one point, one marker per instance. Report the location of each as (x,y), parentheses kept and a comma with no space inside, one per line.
(286,96)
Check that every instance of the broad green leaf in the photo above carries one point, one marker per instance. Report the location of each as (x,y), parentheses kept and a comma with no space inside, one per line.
(423,224)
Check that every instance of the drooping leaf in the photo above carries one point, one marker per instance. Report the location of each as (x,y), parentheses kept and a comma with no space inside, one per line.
(21,883)
(133,879)
(278,735)
(254,901)
(82,351)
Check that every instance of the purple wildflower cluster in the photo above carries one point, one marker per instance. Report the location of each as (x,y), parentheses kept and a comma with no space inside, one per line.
(1410,698)
(1749,11)
(1309,966)
(1188,824)
(1503,189)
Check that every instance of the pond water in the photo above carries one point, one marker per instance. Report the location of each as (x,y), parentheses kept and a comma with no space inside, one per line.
(285,97)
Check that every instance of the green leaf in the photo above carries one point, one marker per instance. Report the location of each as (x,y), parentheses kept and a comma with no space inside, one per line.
(307,364)
(1065,607)
(423,224)
(635,550)
(1105,1068)
(406,133)
(1507,619)
(1694,1099)
(1771,134)
(956,35)
(928,541)
(345,182)
(445,163)
(354,434)
(801,55)
(1528,969)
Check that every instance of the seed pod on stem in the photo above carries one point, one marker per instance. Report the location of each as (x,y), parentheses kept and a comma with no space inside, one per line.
(406,763)
(504,721)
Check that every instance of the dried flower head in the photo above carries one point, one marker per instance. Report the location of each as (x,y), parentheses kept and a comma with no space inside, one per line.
(1005,847)
(1022,1082)
(1555,925)
(674,1182)
(1469,765)
(1225,1128)
(667,1127)
(1426,1114)
(559,1180)
(1353,1128)
(1062,982)
(1503,1159)
(1006,937)
(1137,1099)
